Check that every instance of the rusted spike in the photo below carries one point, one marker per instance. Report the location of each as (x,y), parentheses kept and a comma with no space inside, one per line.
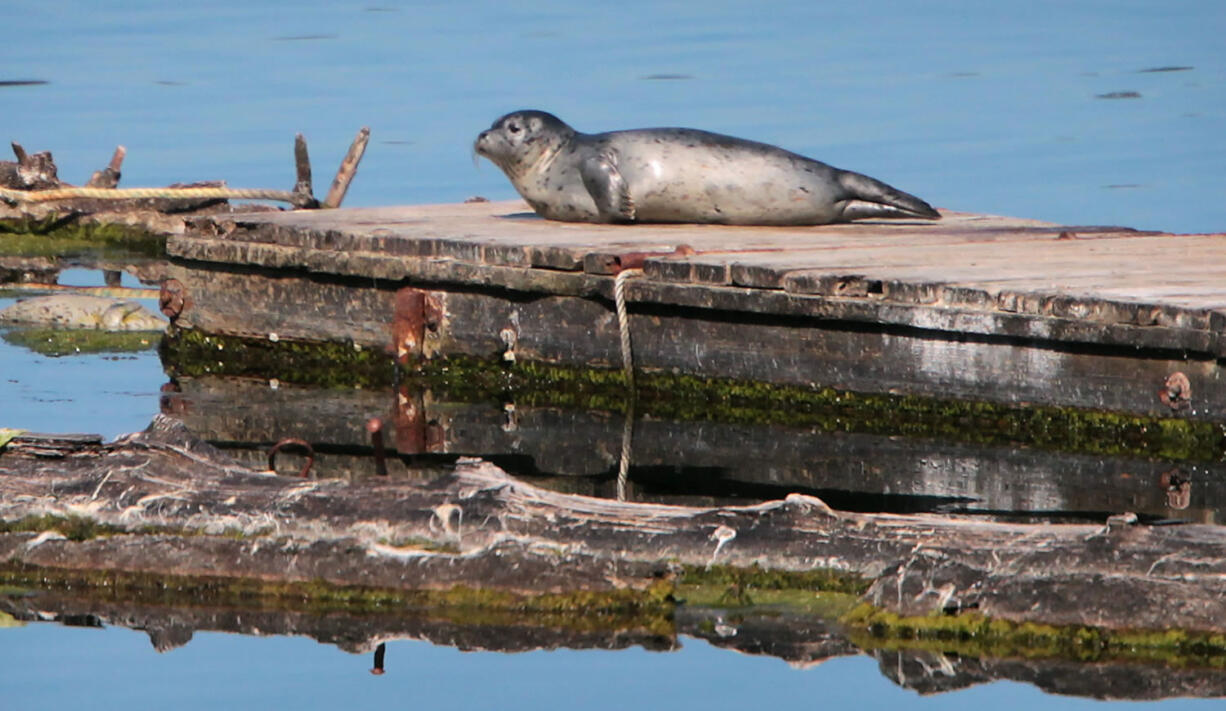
(109,176)
(349,168)
(380,651)
(375,427)
(292,442)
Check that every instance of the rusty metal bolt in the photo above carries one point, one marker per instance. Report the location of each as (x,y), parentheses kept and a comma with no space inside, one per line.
(1176,392)
(380,651)
(292,442)
(173,299)
(375,427)
(1178,489)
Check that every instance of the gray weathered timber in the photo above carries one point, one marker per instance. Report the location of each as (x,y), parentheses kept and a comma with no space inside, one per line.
(502,534)
(972,307)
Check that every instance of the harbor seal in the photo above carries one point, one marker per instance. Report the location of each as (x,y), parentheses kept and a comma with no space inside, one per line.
(679,175)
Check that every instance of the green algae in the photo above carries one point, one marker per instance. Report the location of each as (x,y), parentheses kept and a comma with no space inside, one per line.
(332,365)
(649,609)
(54,342)
(756,578)
(822,592)
(975,635)
(74,528)
(64,236)
(692,398)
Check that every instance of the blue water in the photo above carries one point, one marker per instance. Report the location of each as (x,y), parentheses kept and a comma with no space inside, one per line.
(109,394)
(986,107)
(47,666)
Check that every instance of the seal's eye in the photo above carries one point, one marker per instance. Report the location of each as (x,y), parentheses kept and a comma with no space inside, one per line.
(513,127)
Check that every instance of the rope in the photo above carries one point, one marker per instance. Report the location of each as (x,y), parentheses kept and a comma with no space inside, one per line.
(623,464)
(19,196)
(623,322)
(623,328)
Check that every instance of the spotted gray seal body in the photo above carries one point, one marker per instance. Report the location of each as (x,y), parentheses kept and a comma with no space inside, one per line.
(679,175)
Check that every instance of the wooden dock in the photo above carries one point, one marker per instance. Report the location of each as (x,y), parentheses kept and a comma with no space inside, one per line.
(973,306)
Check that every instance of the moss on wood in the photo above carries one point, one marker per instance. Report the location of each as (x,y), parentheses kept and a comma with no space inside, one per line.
(691,398)
(56,342)
(62,236)
(973,634)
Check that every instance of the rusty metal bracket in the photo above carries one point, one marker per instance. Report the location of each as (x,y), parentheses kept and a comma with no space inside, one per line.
(292,442)
(415,311)
(173,299)
(375,427)
(1176,392)
(415,434)
(604,263)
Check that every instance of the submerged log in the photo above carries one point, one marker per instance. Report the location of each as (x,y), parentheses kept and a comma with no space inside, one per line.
(478,527)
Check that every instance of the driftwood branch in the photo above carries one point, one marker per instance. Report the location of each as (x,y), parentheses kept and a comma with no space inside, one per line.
(469,526)
(31,171)
(109,176)
(348,169)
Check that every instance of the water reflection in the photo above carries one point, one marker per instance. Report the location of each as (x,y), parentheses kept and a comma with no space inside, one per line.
(803,641)
(686,462)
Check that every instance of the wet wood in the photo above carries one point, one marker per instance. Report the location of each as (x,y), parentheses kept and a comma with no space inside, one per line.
(504,534)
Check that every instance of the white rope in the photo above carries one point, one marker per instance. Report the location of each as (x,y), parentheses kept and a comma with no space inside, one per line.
(623,322)
(22,196)
(623,328)
(623,464)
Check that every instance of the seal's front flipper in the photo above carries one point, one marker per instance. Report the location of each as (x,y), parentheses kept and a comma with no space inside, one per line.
(608,188)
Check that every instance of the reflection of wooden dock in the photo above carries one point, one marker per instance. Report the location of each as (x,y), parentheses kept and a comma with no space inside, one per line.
(973,306)
(687,462)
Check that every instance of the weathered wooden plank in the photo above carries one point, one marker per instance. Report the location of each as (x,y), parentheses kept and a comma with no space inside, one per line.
(725,335)
(1033,256)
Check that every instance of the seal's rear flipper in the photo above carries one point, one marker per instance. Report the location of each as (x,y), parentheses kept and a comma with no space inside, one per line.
(873,198)
(608,188)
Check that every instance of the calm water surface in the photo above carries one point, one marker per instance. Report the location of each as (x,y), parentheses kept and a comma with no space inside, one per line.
(115,668)
(1001,108)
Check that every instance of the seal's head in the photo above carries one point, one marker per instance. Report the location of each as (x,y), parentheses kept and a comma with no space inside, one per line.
(520,140)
